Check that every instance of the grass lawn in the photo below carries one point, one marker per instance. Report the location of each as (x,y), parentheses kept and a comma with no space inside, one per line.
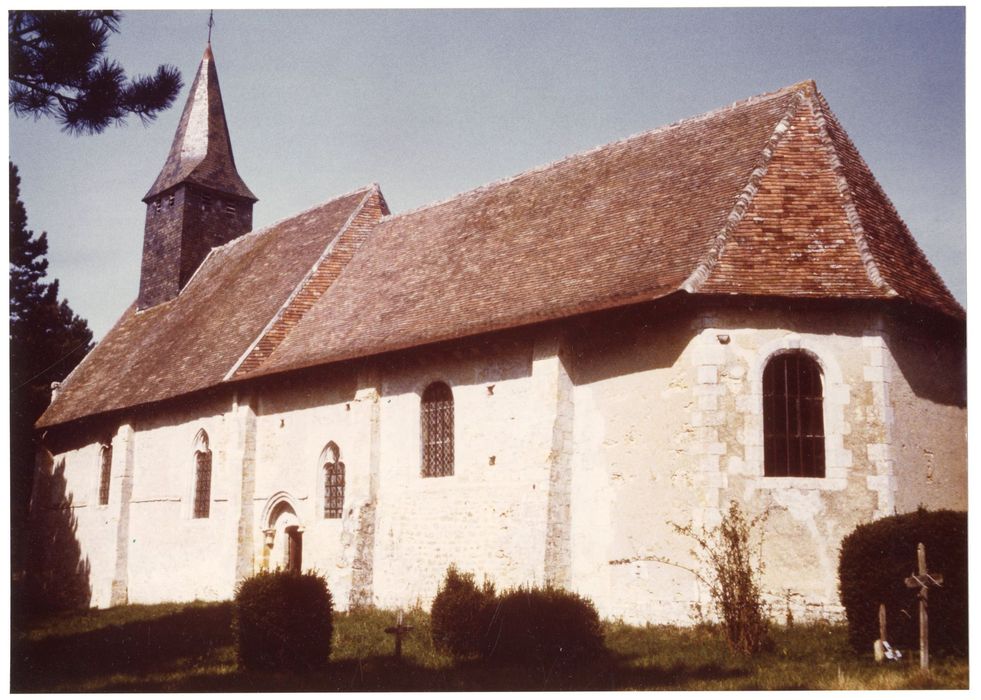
(190,648)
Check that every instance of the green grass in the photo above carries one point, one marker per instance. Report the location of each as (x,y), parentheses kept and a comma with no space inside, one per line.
(190,648)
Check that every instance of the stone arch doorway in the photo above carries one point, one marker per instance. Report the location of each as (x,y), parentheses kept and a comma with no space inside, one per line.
(283,541)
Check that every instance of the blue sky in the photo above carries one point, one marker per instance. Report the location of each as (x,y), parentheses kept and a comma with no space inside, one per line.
(431,103)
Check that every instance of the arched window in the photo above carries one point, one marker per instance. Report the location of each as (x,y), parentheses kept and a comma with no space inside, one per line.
(202,476)
(437,430)
(333,469)
(105,473)
(793,416)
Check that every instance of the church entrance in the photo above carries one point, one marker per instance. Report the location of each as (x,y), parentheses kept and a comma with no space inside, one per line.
(283,548)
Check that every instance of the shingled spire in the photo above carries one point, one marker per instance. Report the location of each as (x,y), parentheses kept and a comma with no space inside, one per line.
(198,200)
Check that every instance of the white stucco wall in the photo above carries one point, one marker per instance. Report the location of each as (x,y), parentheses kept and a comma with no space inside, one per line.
(576,449)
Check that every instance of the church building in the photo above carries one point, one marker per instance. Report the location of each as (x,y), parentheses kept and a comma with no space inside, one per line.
(533,380)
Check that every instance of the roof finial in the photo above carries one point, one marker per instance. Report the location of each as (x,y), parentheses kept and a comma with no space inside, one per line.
(211,23)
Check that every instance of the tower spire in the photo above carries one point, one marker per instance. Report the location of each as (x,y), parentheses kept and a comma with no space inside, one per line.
(198,200)
(202,150)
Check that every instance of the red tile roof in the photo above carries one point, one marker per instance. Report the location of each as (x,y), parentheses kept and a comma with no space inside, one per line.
(765,197)
(193,341)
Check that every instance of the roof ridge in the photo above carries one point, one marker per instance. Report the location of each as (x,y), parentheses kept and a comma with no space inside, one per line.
(763,97)
(328,249)
(845,190)
(707,264)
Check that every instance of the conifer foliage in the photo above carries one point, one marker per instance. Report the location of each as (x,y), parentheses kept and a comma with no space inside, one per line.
(57,69)
(47,340)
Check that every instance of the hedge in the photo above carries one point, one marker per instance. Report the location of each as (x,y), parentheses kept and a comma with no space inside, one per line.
(283,621)
(542,626)
(876,559)
(457,614)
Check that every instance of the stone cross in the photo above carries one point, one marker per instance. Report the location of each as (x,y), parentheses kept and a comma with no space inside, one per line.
(924,581)
(399,630)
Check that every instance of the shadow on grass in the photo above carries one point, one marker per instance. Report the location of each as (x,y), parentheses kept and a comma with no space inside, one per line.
(384,673)
(192,650)
(133,648)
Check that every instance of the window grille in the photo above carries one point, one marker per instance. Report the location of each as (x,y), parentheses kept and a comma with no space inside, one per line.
(202,484)
(437,430)
(793,417)
(105,474)
(333,482)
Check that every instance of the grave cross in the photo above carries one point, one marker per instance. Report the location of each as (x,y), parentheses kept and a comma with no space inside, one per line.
(924,581)
(398,630)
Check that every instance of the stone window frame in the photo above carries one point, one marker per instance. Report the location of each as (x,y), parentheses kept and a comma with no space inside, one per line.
(423,434)
(837,460)
(323,462)
(201,444)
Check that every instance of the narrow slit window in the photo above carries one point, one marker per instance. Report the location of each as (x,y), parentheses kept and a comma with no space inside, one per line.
(793,417)
(202,484)
(437,430)
(202,476)
(105,473)
(333,469)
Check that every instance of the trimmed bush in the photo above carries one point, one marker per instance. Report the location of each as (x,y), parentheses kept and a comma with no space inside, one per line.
(541,626)
(283,621)
(457,613)
(876,559)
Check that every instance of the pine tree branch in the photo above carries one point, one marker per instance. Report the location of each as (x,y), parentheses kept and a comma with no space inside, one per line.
(43,90)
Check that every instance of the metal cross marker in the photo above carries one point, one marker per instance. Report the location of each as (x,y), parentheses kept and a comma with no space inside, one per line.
(211,23)
(399,630)
(924,581)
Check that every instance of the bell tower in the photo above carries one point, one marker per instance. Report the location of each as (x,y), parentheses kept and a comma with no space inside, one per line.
(198,200)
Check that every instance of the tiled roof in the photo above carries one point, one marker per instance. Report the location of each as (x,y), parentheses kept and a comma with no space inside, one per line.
(201,152)
(194,340)
(764,197)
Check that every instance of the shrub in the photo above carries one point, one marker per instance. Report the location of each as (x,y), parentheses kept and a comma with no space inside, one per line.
(874,562)
(733,579)
(283,620)
(457,613)
(546,626)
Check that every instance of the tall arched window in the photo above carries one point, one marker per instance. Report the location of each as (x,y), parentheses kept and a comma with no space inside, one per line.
(333,475)
(105,473)
(793,416)
(437,430)
(202,475)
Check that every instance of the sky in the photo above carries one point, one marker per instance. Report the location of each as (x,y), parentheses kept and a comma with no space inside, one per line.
(430,103)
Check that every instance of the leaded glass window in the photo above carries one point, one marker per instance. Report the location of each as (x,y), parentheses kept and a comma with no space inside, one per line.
(437,430)
(202,484)
(333,482)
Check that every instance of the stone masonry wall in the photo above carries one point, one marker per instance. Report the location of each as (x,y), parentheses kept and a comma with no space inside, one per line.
(926,371)
(675,418)
(576,450)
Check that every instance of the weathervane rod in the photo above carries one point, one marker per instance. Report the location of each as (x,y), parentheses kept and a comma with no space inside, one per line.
(211,23)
